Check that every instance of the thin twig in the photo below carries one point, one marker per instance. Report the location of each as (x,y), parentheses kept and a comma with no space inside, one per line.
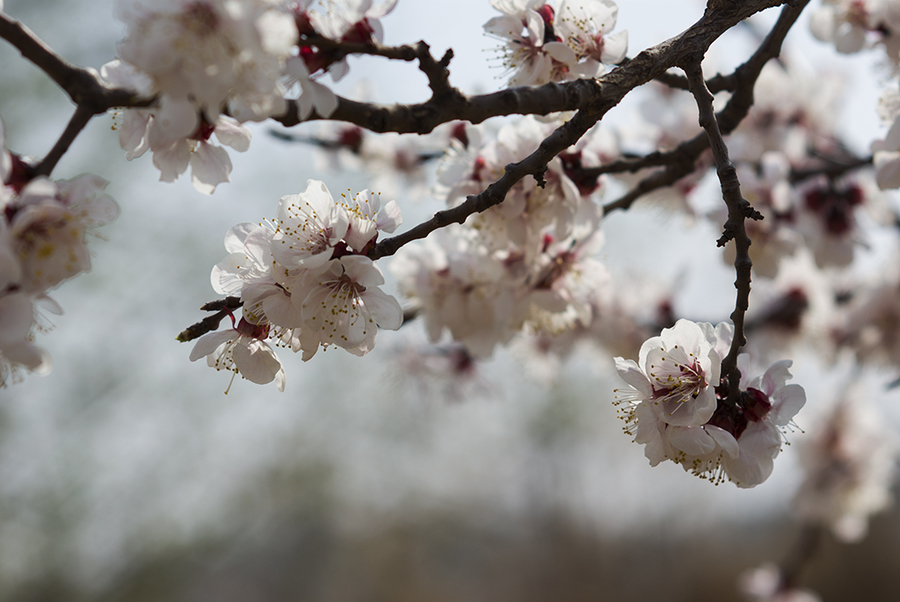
(79,120)
(831,169)
(435,71)
(534,164)
(739,209)
(222,307)
(83,86)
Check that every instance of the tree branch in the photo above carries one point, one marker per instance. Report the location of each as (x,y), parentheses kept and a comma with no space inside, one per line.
(222,307)
(83,86)
(738,210)
(549,98)
(534,164)
(435,71)
(79,120)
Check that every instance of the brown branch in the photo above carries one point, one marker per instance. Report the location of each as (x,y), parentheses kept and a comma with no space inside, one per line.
(222,307)
(534,164)
(739,209)
(658,179)
(435,71)
(606,90)
(717,83)
(83,86)
(79,120)
(831,168)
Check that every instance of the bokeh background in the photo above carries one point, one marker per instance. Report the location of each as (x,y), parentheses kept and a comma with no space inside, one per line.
(127,474)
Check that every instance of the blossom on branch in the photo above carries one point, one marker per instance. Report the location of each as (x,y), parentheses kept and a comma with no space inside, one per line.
(308,227)
(176,135)
(676,406)
(584,27)
(676,374)
(344,306)
(303,282)
(242,350)
(542,46)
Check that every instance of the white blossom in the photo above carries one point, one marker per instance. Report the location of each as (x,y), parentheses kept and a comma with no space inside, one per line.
(247,272)
(355,21)
(242,350)
(308,227)
(584,26)
(48,224)
(344,306)
(843,22)
(886,156)
(676,374)
(175,133)
(672,407)
(215,54)
(367,216)
(533,51)
(313,94)
(459,285)
(17,351)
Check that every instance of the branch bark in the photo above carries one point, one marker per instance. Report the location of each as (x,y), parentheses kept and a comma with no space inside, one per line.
(739,209)
(83,86)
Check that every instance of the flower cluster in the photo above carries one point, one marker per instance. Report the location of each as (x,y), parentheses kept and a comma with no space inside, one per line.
(304,281)
(214,65)
(526,263)
(544,44)
(43,230)
(675,406)
(852,25)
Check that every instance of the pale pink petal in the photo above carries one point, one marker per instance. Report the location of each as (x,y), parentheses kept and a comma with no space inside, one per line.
(693,440)
(210,166)
(236,235)
(210,342)
(787,401)
(614,48)
(384,309)
(232,133)
(172,160)
(257,362)
(632,374)
(31,356)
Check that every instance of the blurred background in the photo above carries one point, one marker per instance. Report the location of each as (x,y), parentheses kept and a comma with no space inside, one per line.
(127,474)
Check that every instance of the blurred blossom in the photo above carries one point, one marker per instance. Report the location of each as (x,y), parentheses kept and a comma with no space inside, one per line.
(765,584)
(849,462)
